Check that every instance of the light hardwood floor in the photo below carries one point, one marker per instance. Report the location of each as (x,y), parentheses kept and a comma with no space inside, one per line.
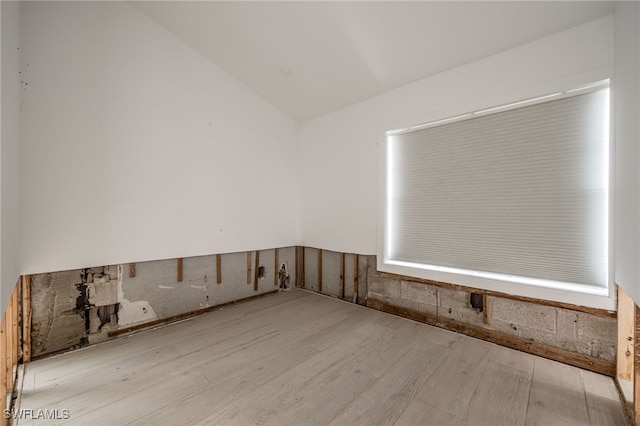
(299,358)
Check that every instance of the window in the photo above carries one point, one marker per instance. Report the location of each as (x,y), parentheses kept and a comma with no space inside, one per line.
(515,194)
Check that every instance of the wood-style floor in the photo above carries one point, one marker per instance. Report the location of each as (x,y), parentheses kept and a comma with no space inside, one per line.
(299,358)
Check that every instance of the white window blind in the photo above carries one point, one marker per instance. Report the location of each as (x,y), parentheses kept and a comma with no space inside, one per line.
(521,192)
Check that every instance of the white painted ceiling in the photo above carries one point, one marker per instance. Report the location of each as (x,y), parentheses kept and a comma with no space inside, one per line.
(339,53)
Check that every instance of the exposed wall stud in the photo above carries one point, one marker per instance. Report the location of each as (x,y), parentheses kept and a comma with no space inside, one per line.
(626,310)
(26,318)
(636,366)
(132,270)
(15,332)
(180,261)
(219,268)
(297,280)
(248,267)
(276,267)
(8,339)
(320,270)
(356,271)
(302,277)
(486,312)
(341,289)
(3,371)
(256,274)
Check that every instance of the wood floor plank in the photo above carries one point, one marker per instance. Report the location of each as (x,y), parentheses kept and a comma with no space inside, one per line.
(603,401)
(305,359)
(557,395)
(229,384)
(516,360)
(500,397)
(422,413)
(385,400)
(146,399)
(229,416)
(454,383)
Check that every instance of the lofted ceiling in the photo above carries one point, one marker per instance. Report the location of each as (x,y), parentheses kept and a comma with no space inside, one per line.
(311,58)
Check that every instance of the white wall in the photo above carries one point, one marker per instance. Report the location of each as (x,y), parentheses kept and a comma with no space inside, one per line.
(9,150)
(627,130)
(341,152)
(135,147)
(339,166)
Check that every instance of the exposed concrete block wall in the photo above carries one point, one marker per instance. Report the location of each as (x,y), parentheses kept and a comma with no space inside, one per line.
(579,332)
(79,307)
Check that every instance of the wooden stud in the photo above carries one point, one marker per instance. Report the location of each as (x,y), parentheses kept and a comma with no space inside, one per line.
(248,267)
(636,365)
(356,278)
(626,317)
(486,309)
(8,340)
(180,262)
(15,335)
(26,318)
(132,270)
(219,268)
(276,267)
(302,267)
(3,372)
(320,270)
(297,280)
(255,272)
(341,289)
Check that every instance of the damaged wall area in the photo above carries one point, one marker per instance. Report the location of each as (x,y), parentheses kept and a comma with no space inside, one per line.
(75,308)
(582,331)
(72,308)
(84,306)
(326,271)
(155,293)
(585,337)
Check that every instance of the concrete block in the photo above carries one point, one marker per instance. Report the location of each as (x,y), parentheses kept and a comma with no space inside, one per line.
(454,304)
(421,293)
(504,327)
(102,292)
(553,339)
(112,271)
(331,273)
(384,298)
(566,326)
(363,278)
(605,351)
(311,268)
(594,328)
(408,304)
(526,314)
(427,308)
(385,286)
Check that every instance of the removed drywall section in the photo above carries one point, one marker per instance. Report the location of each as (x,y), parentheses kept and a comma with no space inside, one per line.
(155,293)
(331,270)
(72,308)
(75,308)
(584,333)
